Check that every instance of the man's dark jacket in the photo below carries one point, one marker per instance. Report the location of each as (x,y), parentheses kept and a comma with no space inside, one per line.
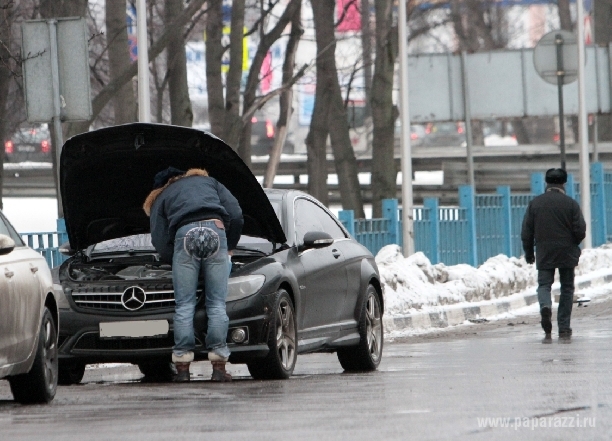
(191,197)
(555,225)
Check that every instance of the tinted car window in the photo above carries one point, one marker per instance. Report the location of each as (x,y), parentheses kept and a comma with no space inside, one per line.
(310,217)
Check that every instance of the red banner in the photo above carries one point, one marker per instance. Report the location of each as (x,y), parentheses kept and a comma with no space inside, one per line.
(348,15)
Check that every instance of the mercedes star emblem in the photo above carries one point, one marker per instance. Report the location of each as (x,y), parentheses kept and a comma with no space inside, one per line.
(133,298)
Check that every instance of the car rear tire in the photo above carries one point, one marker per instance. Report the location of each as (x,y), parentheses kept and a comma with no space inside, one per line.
(39,385)
(157,370)
(71,373)
(367,354)
(282,341)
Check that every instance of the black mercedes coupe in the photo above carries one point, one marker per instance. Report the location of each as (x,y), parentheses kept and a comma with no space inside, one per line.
(299,282)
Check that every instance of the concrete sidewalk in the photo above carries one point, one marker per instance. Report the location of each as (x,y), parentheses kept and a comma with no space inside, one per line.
(451,315)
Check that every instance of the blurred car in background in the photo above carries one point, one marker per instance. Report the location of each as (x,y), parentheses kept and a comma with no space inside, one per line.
(263,133)
(29,144)
(446,134)
(28,320)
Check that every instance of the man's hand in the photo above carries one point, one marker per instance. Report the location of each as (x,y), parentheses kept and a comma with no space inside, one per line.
(530,258)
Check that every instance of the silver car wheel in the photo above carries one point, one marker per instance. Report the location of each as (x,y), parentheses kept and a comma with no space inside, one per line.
(374,328)
(285,334)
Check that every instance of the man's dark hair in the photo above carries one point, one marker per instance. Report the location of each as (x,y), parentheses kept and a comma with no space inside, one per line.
(163,176)
(556,176)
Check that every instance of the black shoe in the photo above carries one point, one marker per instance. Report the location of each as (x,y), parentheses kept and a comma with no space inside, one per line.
(546,314)
(565,333)
(182,373)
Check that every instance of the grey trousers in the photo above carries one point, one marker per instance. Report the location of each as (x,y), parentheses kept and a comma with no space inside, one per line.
(546,278)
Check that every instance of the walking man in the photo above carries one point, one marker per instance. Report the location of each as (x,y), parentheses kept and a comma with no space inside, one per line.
(195,224)
(555,225)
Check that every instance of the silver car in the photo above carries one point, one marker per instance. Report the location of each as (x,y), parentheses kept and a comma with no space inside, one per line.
(28,320)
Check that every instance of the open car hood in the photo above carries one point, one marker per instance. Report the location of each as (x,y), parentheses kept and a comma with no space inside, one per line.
(106,174)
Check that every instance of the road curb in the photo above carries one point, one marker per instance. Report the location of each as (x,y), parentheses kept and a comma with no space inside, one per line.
(452,315)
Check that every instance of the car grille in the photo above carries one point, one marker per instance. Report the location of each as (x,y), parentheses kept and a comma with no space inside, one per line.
(91,341)
(109,298)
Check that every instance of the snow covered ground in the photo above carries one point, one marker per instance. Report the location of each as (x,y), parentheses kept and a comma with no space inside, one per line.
(414,285)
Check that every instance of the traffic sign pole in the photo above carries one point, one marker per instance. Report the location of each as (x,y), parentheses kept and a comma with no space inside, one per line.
(560,75)
(57,109)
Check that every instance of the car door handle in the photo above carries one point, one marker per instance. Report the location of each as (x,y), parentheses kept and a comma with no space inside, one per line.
(8,273)
(336,253)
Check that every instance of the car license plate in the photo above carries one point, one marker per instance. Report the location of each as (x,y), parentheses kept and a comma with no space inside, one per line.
(134,329)
(25,148)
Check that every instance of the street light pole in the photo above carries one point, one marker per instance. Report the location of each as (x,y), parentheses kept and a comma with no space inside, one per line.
(583,134)
(144,102)
(407,216)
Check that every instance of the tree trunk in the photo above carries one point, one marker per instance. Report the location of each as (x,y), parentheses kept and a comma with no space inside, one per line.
(180,104)
(384,171)
(366,50)
(286,99)
(214,53)
(5,79)
(233,121)
(124,102)
(565,16)
(337,124)
(250,90)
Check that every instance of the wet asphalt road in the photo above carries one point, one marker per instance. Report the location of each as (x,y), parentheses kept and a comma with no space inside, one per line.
(432,387)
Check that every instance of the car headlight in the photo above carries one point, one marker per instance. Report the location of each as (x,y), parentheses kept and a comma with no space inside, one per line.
(241,287)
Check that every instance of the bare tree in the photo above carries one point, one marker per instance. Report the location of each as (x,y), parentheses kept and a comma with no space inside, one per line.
(328,102)
(124,102)
(286,98)
(180,105)
(384,114)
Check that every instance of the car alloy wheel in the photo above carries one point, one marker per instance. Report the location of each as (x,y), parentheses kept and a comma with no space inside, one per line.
(39,385)
(285,333)
(367,354)
(282,341)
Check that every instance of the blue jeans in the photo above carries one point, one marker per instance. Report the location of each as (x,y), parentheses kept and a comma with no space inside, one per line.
(200,250)
(546,278)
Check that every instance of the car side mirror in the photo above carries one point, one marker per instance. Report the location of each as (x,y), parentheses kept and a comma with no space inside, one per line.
(317,239)
(7,244)
(65,249)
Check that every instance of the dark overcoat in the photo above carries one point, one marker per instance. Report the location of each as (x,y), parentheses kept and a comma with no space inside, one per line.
(553,223)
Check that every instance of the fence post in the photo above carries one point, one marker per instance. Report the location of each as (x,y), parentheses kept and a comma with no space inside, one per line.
(347,217)
(434,228)
(537,183)
(570,187)
(504,191)
(466,200)
(390,209)
(598,204)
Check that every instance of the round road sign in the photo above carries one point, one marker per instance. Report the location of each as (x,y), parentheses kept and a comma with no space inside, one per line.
(545,57)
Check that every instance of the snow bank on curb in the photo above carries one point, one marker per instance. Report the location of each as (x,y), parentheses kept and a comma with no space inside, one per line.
(413,284)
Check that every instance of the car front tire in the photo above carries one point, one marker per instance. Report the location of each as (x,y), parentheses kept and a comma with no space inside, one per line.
(367,354)
(39,385)
(157,370)
(282,341)
(71,373)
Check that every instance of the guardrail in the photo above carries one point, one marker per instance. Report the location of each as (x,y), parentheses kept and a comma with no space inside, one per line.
(48,243)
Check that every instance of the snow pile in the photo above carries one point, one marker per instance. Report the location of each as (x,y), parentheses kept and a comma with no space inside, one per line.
(413,283)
